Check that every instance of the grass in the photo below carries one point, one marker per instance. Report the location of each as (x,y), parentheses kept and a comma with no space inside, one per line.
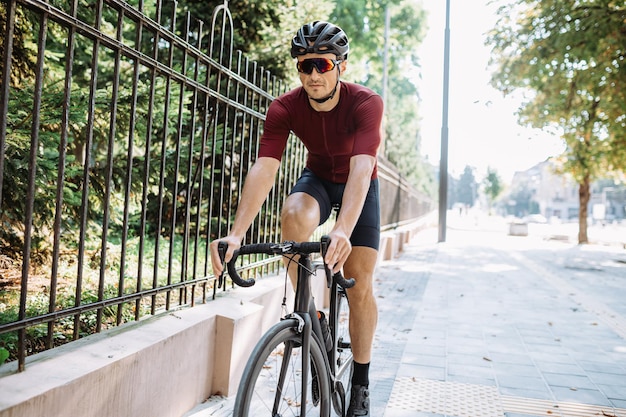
(40,291)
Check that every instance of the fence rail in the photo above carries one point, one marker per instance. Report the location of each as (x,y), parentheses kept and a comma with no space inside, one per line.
(123,148)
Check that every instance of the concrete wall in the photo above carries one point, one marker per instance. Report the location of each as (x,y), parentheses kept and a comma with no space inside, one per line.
(140,368)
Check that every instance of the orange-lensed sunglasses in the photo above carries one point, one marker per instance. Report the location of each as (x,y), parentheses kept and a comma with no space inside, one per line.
(322,65)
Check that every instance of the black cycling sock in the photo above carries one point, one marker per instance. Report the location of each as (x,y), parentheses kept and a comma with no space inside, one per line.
(361,374)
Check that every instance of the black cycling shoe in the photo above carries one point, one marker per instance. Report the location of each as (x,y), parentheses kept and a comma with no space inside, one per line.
(359,401)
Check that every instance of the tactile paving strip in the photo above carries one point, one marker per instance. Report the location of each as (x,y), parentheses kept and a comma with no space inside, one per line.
(558,409)
(448,398)
(467,400)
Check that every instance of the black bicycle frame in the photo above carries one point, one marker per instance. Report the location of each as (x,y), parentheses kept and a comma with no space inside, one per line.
(305,310)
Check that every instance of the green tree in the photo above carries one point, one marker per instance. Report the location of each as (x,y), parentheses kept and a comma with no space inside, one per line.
(568,58)
(492,185)
(467,187)
(50,131)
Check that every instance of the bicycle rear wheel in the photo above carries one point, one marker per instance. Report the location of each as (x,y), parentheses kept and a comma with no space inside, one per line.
(342,354)
(271,385)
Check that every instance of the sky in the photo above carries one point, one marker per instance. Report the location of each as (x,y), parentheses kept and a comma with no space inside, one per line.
(482,126)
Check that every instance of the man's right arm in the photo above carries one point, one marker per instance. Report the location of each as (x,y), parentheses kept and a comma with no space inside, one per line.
(259,181)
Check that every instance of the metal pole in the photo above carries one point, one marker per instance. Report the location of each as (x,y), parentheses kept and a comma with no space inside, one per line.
(385,82)
(443,165)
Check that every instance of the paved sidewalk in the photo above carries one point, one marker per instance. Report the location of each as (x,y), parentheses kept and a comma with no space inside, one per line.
(488,324)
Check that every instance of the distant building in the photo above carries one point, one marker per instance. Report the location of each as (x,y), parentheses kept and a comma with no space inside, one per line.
(608,201)
(541,191)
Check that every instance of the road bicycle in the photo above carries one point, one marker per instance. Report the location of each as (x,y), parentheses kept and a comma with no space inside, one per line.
(302,365)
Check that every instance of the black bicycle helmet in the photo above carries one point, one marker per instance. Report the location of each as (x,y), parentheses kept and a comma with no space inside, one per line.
(320,38)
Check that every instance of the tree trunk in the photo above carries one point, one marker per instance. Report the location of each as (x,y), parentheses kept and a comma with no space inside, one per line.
(583,196)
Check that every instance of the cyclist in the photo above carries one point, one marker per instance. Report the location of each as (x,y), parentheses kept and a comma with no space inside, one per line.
(339,123)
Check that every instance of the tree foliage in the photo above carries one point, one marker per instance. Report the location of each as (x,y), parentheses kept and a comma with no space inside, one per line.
(467,187)
(364,22)
(569,59)
(86,150)
(22,61)
(492,185)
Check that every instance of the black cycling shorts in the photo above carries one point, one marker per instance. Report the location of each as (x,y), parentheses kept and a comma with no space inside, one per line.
(329,194)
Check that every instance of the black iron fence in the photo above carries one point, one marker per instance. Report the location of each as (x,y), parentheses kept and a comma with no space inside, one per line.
(400,203)
(123,150)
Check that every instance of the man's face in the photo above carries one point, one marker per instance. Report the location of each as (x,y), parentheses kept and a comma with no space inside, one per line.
(316,84)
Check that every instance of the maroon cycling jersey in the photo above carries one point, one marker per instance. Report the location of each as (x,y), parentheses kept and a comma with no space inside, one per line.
(331,138)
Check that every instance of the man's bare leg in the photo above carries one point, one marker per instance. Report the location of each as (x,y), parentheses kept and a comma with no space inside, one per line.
(363,319)
(363,310)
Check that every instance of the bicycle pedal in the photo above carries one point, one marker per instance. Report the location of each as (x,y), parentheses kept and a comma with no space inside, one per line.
(344,345)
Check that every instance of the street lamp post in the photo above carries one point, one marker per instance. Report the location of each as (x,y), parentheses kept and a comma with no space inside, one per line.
(443,165)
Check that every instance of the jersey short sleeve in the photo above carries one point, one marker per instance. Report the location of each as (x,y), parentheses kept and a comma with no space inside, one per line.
(276,130)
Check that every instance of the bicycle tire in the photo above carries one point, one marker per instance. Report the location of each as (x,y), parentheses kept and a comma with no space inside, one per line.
(343,363)
(278,353)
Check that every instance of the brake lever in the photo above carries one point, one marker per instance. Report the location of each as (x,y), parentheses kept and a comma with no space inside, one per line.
(222,247)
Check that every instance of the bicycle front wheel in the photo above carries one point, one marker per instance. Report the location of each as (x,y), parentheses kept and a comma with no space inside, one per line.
(272,385)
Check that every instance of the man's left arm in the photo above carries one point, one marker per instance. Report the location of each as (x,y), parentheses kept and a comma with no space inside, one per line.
(357,186)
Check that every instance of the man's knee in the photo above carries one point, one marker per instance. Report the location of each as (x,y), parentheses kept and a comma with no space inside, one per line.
(360,266)
(361,262)
(300,211)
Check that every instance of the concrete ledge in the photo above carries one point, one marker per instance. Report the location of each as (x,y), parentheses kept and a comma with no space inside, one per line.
(232,331)
(128,371)
(392,242)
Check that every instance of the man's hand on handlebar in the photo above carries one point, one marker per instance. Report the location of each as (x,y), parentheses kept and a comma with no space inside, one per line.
(216,262)
(338,250)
